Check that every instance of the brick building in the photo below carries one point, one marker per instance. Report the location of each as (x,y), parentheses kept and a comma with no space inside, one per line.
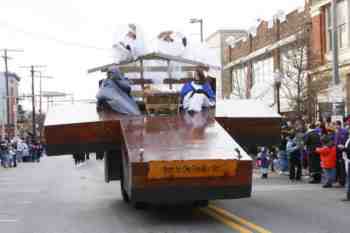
(321,46)
(254,60)
(219,41)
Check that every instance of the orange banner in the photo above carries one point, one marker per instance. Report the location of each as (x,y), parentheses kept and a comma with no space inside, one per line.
(191,169)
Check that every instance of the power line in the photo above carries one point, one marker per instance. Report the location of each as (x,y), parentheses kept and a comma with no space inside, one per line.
(40,100)
(43,36)
(32,71)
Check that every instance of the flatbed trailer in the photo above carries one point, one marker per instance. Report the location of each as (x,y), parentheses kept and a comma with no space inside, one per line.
(165,158)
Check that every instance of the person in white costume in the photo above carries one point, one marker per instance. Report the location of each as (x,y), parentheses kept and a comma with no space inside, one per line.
(197,94)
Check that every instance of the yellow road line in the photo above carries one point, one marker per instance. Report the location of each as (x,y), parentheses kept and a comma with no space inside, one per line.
(232,217)
(227,222)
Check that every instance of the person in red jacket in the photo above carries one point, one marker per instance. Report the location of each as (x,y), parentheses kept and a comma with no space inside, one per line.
(328,154)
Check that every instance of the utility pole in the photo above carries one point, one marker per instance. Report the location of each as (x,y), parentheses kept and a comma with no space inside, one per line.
(335,63)
(33,103)
(40,100)
(32,72)
(6,58)
(7,87)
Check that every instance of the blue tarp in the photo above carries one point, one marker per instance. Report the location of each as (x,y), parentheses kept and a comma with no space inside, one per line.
(115,91)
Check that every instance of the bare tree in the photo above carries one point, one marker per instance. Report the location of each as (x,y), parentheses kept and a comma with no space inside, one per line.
(295,58)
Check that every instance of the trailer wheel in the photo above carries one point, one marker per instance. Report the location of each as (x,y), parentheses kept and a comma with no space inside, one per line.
(201,203)
(125,195)
(140,205)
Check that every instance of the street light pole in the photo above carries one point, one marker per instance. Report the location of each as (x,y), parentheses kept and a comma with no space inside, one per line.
(278,98)
(200,21)
(278,81)
(201,25)
(335,63)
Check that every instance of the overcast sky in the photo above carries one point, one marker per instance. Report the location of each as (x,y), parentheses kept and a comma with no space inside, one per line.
(71,36)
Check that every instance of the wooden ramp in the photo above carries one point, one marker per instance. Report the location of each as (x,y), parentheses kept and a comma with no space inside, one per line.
(182,157)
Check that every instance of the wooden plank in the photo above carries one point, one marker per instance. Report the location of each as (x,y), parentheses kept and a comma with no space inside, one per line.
(137,69)
(190,189)
(137,81)
(180,194)
(243,176)
(252,132)
(180,137)
(154,69)
(80,128)
(177,81)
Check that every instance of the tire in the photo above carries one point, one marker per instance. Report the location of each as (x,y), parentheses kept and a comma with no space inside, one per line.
(201,203)
(125,195)
(140,205)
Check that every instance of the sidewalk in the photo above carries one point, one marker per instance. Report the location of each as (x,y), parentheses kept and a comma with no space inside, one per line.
(275,174)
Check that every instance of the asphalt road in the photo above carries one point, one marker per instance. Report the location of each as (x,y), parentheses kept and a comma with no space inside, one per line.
(55,197)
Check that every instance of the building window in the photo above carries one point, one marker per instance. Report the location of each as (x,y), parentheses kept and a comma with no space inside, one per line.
(262,71)
(239,83)
(342,25)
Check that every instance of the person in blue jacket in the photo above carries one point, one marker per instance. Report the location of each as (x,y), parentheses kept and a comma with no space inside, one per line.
(197,94)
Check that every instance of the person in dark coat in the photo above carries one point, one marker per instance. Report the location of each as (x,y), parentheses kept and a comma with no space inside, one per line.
(293,152)
(312,140)
(347,160)
(36,151)
(282,154)
(346,157)
(340,138)
(76,159)
(99,155)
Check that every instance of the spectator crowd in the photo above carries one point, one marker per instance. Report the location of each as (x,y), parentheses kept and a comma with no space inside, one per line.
(321,150)
(17,150)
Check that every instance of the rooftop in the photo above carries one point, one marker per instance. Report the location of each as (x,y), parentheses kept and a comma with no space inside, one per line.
(11,75)
(225,31)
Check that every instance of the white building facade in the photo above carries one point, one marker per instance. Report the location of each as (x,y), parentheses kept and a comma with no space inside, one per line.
(13,96)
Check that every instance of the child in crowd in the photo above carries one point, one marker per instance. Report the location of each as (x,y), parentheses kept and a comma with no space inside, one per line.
(328,154)
(264,162)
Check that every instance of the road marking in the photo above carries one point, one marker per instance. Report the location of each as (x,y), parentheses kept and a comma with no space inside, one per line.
(227,222)
(10,183)
(24,202)
(18,191)
(232,220)
(8,220)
